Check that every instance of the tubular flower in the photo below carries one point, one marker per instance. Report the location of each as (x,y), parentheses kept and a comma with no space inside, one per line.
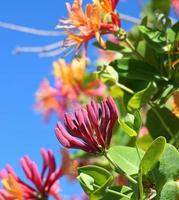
(70,77)
(47,100)
(99,18)
(89,129)
(45,184)
(70,85)
(12,187)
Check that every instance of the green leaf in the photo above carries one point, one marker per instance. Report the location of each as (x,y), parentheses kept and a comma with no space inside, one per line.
(111,46)
(135,69)
(155,39)
(175,28)
(86,182)
(163,6)
(170,191)
(171,35)
(169,163)
(144,142)
(99,193)
(116,47)
(126,158)
(131,123)
(108,73)
(155,126)
(137,121)
(167,168)
(152,155)
(100,174)
(151,35)
(142,97)
(94,180)
(127,129)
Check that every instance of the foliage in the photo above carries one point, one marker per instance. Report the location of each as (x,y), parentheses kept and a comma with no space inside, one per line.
(136,158)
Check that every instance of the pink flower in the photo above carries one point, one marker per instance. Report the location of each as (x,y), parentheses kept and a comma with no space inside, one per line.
(44,184)
(70,85)
(175,4)
(91,128)
(48,100)
(143,131)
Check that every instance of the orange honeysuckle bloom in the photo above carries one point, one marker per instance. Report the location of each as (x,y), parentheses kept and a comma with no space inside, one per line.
(89,28)
(69,73)
(175,105)
(108,6)
(83,26)
(76,14)
(46,99)
(69,76)
(69,87)
(12,187)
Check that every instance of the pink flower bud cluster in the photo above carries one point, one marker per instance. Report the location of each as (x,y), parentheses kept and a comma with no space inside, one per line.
(90,129)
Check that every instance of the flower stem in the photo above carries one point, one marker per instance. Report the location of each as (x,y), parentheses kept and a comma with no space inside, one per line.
(123,87)
(118,169)
(118,193)
(114,192)
(141,193)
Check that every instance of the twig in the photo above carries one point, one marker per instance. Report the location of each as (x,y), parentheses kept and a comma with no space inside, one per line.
(39,49)
(53,53)
(131,19)
(30,30)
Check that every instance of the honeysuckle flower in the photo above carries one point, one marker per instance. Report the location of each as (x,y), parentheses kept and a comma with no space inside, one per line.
(99,18)
(89,129)
(12,187)
(70,78)
(43,184)
(47,100)
(69,87)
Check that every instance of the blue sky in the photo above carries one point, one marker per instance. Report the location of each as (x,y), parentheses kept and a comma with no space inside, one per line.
(22,131)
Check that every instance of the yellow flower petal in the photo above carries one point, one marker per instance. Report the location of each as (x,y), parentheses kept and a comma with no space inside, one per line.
(12,187)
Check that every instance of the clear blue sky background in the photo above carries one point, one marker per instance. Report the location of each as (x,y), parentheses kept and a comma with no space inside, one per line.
(22,131)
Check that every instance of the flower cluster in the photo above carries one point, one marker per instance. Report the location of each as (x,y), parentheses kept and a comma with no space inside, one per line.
(69,86)
(91,128)
(98,19)
(44,184)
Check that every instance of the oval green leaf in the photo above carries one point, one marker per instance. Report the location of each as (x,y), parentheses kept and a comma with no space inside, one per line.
(153,154)
(126,158)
